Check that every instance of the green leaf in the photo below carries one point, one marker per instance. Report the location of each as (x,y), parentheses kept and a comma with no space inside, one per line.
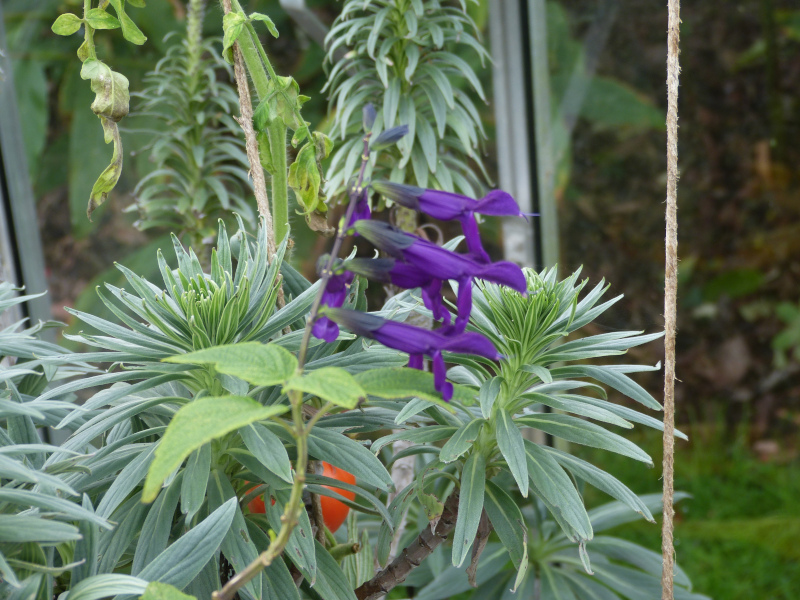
(155,532)
(507,521)
(111,104)
(331,583)
(470,506)
(233,25)
(395,383)
(195,480)
(509,439)
(582,432)
(419,435)
(163,591)
(256,363)
(347,454)
(236,544)
(198,423)
(129,29)
(601,480)
(103,586)
(268,449)
(256,16)
(611,103)
(462,441)
(305,179)
(184,559)
(100,19)
(488,394)
(300,547)
(67,24)
(20,528)
(550,481)
(329,383)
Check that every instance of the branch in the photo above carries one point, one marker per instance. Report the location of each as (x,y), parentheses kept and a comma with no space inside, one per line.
(412,556)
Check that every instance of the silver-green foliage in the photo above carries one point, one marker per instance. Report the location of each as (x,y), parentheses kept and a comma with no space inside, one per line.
(39,511)
(119,429)
(197,147)
(553,566)
(405,57)
(540,371)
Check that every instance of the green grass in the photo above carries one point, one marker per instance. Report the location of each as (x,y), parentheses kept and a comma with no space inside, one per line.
(738,537)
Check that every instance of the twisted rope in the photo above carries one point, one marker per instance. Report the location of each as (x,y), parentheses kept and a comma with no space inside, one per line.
(670,298)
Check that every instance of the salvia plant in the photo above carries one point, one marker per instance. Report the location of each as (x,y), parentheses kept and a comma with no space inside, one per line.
(227,417)
(407,58)
(195,145)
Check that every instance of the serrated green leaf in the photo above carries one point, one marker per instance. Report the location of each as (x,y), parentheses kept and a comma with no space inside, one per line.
(395,383)
(329,383)
(259,364)
(198,423)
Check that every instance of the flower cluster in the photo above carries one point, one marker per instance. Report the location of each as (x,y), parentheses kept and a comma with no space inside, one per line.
(417,263)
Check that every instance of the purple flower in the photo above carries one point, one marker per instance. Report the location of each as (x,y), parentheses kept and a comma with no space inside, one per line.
(447,206)
(334,296)
(428,265)
(416,342)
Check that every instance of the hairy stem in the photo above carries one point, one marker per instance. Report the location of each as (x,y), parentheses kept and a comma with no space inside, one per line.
(280,190)
(88,35)
(301,429)
(412,556)
(291,512)
(327,271)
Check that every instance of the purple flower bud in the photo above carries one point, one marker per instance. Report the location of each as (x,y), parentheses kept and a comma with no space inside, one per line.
(416,342)
(389,137)
(368,117)
(333,296)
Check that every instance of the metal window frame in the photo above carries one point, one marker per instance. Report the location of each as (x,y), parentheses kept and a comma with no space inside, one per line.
(20,244)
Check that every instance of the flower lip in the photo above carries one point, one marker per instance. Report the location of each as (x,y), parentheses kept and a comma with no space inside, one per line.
(410,339)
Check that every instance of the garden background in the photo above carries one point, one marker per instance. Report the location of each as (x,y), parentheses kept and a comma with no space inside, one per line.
(739,200)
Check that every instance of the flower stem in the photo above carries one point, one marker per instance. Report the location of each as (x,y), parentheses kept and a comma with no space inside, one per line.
(327,271)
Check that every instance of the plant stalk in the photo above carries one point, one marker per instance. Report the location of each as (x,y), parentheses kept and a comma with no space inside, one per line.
(412,556)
